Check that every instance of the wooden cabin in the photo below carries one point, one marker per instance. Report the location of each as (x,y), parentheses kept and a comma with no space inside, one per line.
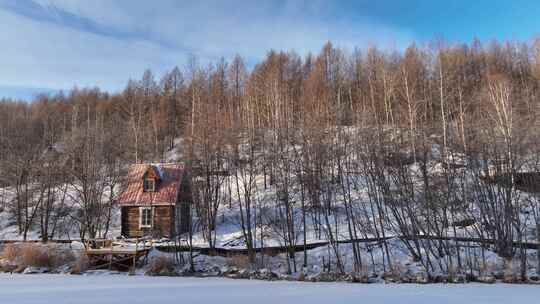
(155,201)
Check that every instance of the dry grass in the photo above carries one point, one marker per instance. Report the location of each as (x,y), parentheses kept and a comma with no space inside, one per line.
(511,272)
(162,265)
(80,264)
(487,268)
(36,255)
(239,260)
(398,270)
(10,252)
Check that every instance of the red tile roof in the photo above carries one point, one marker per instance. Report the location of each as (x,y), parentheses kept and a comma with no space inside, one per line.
(166,191)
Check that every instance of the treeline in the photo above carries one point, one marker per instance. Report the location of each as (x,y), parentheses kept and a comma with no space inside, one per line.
(383,143)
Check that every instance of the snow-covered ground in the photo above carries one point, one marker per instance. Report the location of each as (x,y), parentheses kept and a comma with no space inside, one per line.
(268,231)
(102,289)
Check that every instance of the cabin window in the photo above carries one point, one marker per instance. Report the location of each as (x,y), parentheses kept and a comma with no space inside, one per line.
(149,185)
(145,219)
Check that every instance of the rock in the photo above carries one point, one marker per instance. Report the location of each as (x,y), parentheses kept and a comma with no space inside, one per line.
(287,277)
(364,279)
(511,279)
(441,278)
(326,277)
(168,273)
(486,279)
(165,272)
(421,278)
(75,271)
(64,269)
(244,274)
(185,273)
(35,270)
(272,276)
(19,269)
(391,277)
(499,275)
(9,268)
(234,273)
(213,272)
(230,272)
(264,274)
(458,279)
(470,277)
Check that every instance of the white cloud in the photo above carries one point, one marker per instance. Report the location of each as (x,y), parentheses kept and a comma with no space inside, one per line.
(44,54)
(37,54)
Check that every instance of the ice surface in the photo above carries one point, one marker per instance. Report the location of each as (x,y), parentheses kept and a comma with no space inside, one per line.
(97,289)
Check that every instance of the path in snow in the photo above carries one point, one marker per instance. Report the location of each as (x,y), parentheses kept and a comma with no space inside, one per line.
(98,289)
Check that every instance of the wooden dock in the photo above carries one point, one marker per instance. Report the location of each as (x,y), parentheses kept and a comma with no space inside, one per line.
(103,254)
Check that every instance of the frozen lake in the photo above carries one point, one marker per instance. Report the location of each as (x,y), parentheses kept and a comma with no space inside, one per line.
(97,289)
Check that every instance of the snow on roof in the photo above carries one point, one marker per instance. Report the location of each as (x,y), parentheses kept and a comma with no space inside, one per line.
(159,170)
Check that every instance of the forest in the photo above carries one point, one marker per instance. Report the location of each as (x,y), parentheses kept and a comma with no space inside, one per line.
(430,143)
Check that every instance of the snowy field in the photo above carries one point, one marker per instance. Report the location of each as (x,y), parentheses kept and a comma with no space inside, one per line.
(97,289)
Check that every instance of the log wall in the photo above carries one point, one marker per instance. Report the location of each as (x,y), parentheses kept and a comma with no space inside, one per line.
(162,226)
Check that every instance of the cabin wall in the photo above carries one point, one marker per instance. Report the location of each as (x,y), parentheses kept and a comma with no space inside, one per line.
(162,222)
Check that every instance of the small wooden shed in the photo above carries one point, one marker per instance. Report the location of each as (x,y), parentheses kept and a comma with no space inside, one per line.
(155,201)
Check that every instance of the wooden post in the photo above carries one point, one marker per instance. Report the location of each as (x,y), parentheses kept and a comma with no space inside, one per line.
(110,259)
(135,257)
(134,260)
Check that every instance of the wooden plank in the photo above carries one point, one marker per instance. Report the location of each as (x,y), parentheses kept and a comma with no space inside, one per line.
(272,250)
(115,251)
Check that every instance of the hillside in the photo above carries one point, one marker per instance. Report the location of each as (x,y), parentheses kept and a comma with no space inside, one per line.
(421,165)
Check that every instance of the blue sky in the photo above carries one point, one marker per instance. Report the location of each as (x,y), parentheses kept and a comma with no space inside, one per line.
(49,45)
